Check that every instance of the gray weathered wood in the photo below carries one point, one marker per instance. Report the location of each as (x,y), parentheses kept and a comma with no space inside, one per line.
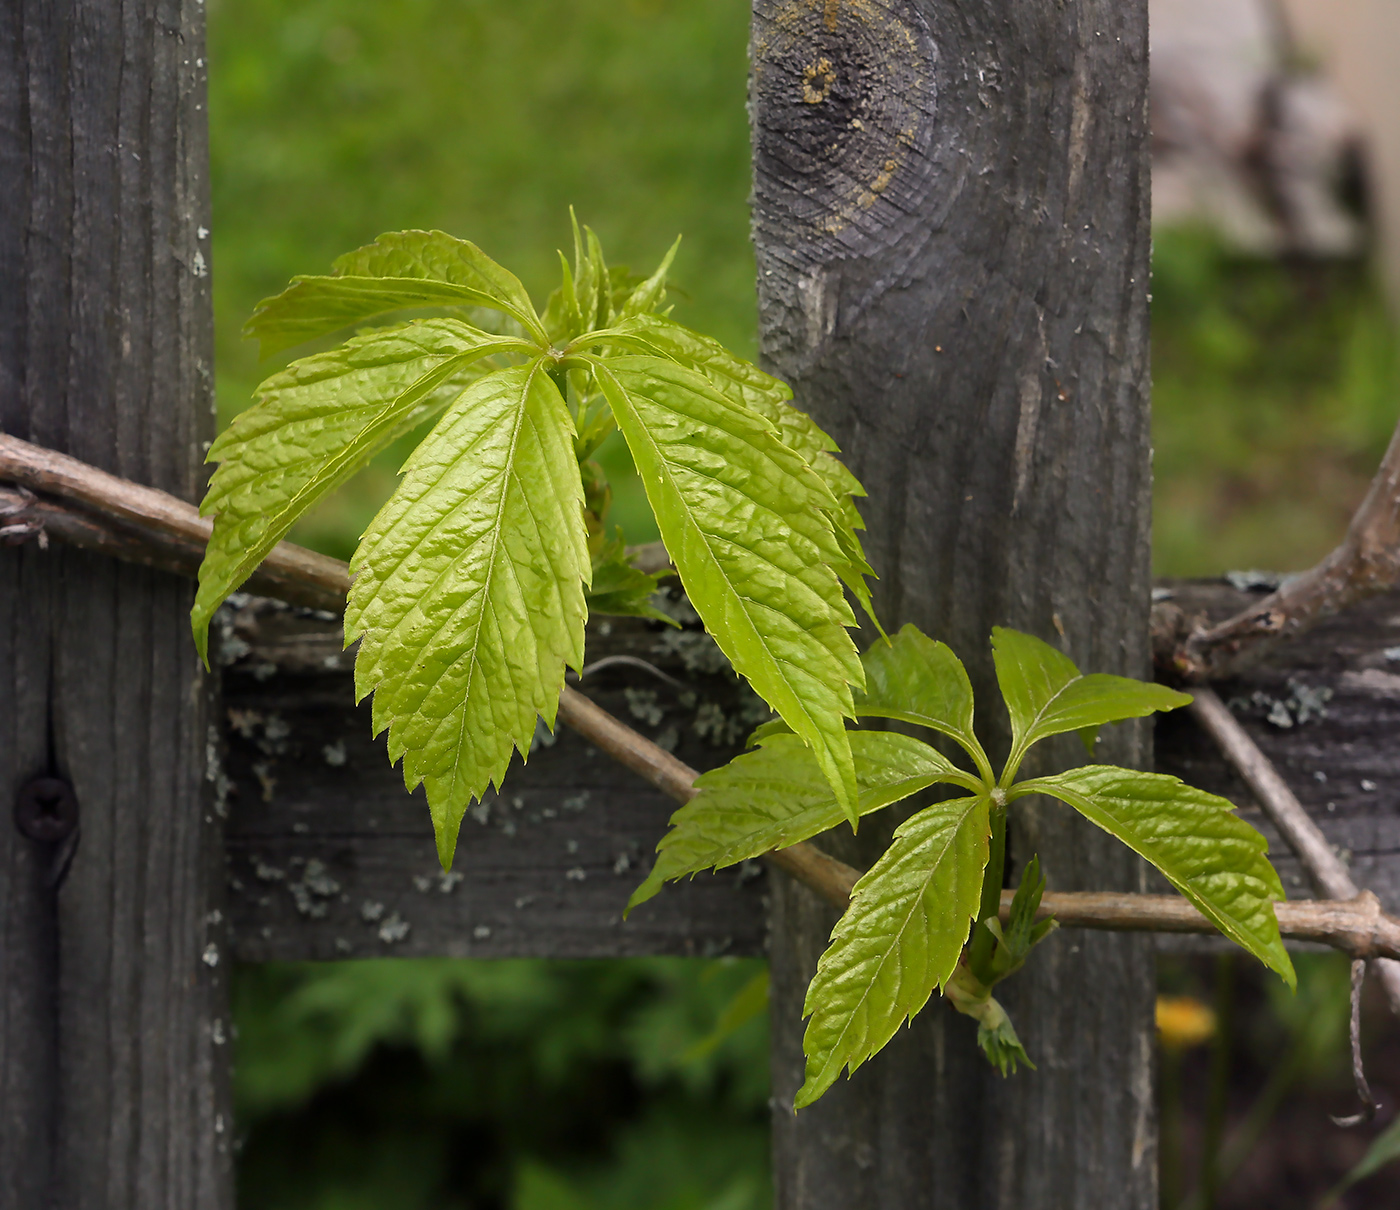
(292,733)
(329,857)
(113,1022)
(951,224)
(1325,709)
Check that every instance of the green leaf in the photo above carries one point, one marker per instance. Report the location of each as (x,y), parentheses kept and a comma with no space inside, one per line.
(900,938)
(913,678)
(745,520)
(469,591)
(646,297)
(1206,851)
(312,427)
(777,795)
(620,589)
(744,383)
(995,1034)
(1046,694)
(400,269)
(1022,933)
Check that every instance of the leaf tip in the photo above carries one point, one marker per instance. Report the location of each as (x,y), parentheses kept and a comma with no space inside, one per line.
(199,628)
(446,837)
(648,890)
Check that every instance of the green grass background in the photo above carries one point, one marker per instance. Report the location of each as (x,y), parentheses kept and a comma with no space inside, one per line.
(408,1085)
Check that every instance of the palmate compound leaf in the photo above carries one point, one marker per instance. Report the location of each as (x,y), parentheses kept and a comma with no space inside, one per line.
(312,427)
(1206,851)
(399,270)
(913,678)
(1047,695)
(901,937)
(747,523)
(744,383)
(777,795)
(469,590)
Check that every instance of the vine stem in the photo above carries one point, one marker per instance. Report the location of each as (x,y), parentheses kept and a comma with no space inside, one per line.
(55,496)
(1328,873)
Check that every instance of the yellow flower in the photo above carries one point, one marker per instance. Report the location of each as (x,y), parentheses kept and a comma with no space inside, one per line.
(1183,1022)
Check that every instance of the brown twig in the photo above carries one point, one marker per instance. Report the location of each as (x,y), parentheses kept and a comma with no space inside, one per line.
(1329,875)
(1367,562)
(87,507)
(1358,1070)
(139,524)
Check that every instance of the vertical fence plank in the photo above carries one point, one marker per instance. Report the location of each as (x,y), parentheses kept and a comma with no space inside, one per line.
(113,1023)
(951,221)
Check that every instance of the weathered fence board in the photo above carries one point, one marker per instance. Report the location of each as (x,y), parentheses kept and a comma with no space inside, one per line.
(329,857)
(1325,709)
(951,227)
(112,1028)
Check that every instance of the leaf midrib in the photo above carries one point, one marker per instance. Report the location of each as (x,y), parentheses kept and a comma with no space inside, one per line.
(915,900)
(533,369)
(1181,883)
(705,541)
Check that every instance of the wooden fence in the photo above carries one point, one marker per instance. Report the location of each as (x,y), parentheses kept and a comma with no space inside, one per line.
(953,248)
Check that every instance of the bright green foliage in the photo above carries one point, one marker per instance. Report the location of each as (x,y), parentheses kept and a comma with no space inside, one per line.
(399,270)
(907,928)
(746,521)
(746,384)
(313,426)
(1206,851)
(776,795)
(1046,694)
(900,938)
(912,678)
(473,583)
(468,591)
(620,589)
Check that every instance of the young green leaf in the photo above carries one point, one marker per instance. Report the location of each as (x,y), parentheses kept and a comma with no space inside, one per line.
(1206,851)
(399,270)
(651,293)
(313,426)
(1047,695)
(777,795)
(745,384)
(745,520)
(913,678)
(1012,945)
(995,1034)
(622,590)
(900,938)
(469,590)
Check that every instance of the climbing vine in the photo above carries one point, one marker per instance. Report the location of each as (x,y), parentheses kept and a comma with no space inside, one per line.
(472,586)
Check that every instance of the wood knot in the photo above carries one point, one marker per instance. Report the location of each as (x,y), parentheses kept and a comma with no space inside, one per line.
(844,99)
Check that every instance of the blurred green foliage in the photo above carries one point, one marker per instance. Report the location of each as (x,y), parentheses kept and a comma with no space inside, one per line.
(535,1086)
(332,121)
(439,1084)
(1276,386)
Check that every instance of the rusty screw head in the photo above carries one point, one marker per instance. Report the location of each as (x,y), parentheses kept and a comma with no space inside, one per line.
(46,810)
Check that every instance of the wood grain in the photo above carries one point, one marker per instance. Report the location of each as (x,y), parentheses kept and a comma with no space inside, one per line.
(114,1026)
(966,312)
